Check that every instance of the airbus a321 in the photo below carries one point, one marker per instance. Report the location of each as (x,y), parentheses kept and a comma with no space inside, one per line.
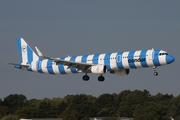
(118,63)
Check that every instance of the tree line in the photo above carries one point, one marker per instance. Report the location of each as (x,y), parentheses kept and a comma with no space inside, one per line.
(137,104)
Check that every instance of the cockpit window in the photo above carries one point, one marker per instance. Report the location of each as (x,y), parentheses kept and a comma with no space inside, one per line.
(163,53)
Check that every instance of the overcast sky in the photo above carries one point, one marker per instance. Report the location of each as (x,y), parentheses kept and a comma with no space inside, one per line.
(75,27)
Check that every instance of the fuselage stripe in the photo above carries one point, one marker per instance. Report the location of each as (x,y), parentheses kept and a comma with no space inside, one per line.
(73,69)
(49,67)
(131,59)
(39,65)
(95,58)
(119,60)
(84,58)
(107,60)
(143,55)
(156,61)
(61,67)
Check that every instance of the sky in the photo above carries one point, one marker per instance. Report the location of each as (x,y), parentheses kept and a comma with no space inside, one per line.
(66,27)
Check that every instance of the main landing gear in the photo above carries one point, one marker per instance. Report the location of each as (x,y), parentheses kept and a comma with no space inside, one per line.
(85,77)
(155,73)
(100,78)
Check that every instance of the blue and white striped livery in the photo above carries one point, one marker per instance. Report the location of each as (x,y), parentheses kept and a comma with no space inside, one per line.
(118,63)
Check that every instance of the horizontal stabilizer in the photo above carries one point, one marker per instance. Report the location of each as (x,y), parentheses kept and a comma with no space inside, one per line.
(19,65)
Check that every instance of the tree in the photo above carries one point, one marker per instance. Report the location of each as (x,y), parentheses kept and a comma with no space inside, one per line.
(3,111)
(107,105)
(25,112)
(130,100)
(83,104)
(70,114)
(47,110)
(152,111)
(147,112)
(174,107)
(62,106)
(1,102)
(33,104)
(14,102)
(138,104)
(10,117)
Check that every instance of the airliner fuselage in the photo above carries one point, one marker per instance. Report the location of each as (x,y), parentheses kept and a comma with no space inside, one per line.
(118,63)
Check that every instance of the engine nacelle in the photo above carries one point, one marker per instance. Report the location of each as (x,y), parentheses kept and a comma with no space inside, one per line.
(120,72)
(98,69)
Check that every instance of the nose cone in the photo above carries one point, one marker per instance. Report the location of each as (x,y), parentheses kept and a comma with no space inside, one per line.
(169,59)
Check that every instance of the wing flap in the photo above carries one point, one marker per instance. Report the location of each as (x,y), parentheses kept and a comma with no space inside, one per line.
(70,64)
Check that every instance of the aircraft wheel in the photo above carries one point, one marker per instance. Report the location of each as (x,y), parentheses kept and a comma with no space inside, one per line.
(155,73)
(85,77)
(101,78)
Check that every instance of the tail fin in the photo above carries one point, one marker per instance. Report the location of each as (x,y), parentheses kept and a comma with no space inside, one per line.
(26,53)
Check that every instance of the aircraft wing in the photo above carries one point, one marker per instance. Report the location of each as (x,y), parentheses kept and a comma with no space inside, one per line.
(70,64)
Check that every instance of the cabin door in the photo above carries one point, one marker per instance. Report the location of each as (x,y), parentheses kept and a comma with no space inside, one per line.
(151,54)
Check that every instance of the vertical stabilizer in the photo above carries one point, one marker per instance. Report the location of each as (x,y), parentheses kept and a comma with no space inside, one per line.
(26,53)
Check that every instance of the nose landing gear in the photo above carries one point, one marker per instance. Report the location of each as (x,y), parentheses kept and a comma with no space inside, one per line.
(155,73)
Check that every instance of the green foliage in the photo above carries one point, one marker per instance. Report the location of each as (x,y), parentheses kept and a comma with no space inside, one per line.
(3,111)
(156,109)
(140,105)
(14,102)
(82,104)
(107,105)
(1,102)
(25,112)
(70,114)
(10,117)
(130,100)
(174,106)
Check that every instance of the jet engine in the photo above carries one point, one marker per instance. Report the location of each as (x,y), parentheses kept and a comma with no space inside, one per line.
(120,72)
(98,69)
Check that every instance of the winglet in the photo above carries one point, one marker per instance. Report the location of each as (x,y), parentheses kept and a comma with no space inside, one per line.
(40,54)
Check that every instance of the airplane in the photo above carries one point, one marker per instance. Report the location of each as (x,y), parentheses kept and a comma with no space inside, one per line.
(118,63)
